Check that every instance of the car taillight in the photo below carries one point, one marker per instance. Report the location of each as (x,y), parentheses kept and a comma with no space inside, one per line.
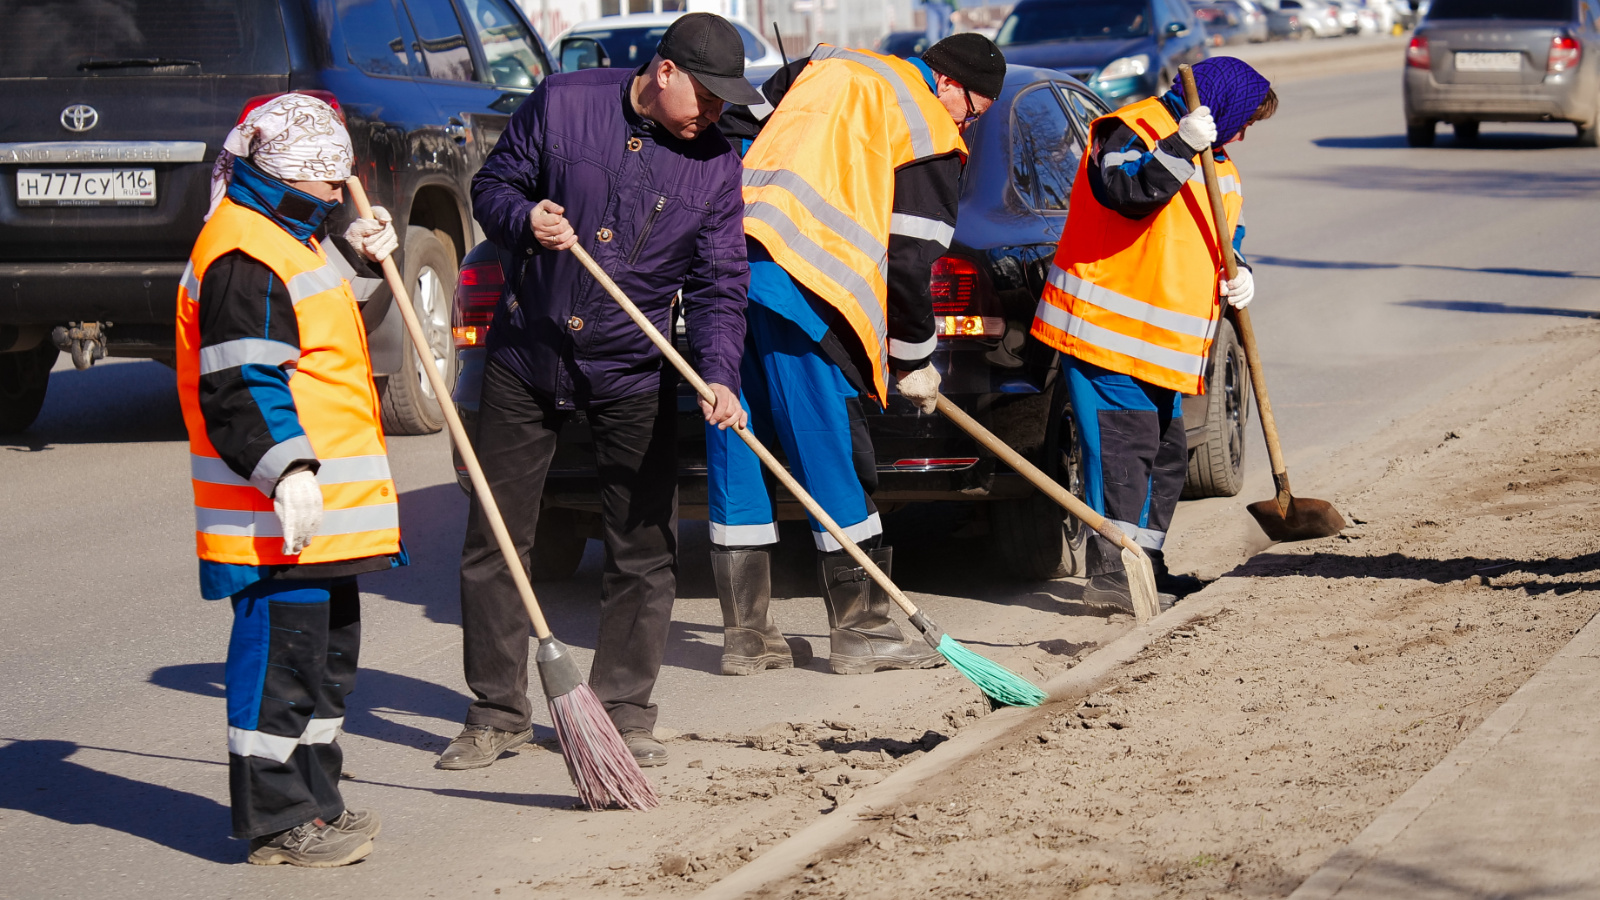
(1417,56)
(956,310)
(477,294)
(1565,52)
(253,103)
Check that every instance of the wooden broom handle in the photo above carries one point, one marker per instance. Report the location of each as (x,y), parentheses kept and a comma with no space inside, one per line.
(1241,317)
(770,461)
(480,484)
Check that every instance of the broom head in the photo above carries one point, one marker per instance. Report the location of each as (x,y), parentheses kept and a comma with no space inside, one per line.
(996,681)
(601,766)
(1142,584)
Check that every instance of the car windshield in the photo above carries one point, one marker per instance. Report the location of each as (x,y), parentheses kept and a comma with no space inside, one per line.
(43,38)
(630,48)
(1555,10)
(1075,20)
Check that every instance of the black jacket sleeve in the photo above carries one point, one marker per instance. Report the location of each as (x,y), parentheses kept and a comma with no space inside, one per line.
(1129,178)
(249,346)
(926,194)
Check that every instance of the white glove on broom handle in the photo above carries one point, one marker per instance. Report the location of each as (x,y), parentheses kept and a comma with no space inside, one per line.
(480,485)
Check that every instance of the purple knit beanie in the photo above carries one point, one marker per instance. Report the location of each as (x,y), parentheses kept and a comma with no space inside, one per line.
(1231,89)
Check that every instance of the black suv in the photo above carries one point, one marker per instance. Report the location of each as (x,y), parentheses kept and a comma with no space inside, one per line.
(111,115)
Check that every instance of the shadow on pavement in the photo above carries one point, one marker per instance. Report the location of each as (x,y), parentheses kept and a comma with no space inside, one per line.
(1438,571)
(41,779)
(1485,141)
(114,402)
(1293,263)
(544,801)
(1547,185)
(1510,309)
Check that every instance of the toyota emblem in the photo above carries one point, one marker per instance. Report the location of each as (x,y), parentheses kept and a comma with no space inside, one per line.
(79,117)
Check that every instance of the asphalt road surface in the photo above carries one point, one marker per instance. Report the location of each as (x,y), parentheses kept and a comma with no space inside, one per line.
(1387,277)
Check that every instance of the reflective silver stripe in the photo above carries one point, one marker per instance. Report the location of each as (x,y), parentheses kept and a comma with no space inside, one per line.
(761,110)
(1148,538)
(1175,360)
(277,458)
(189,283)
(244,351)
(825,263)
(1112,160)
(1138,310)
(323,278)
(908,351)
(249,742)
(1227,184)
(323,731)
(826,213)
(921,137)
(1181,169)
(264,523)
(860,531)
(351,469)
(744,535)
(922,228)
(211,470)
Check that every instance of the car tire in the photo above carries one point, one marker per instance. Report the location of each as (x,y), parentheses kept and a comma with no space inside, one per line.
(1216,464)
(559,543)
(24,379)
(408,403)
(1466,132)
(1589,135)
(1421,134)
(1035,539)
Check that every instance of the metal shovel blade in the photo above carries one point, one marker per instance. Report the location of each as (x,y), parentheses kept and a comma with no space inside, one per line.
(1307,519)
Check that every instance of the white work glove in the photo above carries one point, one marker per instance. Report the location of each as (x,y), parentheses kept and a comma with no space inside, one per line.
(1241,290)
(373,238)
(1198,129)
(298,503)
(920,387)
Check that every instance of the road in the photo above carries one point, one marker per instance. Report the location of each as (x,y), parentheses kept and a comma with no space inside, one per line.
(1387,278)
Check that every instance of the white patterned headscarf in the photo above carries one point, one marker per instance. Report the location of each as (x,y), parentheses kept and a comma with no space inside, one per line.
(295,137)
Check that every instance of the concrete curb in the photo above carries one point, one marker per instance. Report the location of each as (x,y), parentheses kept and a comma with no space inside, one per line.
(790,856)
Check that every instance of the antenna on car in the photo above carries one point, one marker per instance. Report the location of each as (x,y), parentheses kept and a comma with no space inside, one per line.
(779,35)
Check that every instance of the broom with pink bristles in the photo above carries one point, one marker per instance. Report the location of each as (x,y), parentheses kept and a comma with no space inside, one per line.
(599,762)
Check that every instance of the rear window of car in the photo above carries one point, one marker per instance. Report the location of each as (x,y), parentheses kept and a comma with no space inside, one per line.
(44,38)
(1075,20)
(1555,10)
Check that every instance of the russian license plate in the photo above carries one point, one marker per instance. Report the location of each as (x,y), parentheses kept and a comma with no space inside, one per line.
(1488,62)
(86,187)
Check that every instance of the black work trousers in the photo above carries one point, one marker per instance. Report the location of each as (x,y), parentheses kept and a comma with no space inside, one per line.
(637,463)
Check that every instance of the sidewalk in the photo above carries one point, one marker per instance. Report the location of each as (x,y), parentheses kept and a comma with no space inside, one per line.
(1513,811)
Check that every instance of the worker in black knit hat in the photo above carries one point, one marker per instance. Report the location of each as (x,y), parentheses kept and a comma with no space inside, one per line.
(852,170)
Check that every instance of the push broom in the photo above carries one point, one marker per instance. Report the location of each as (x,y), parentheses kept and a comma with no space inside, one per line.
(995,680)
(599,762)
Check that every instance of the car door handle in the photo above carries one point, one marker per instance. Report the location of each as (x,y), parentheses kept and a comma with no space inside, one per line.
(457,130)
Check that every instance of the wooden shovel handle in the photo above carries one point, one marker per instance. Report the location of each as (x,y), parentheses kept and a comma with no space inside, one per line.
(766,457)
(1241,317)
(480,484)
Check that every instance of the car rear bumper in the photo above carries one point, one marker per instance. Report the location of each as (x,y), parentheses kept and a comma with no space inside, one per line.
(52,293)
(1428,98)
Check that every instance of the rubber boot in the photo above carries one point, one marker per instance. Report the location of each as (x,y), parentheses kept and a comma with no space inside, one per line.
(862,636)
(751,643)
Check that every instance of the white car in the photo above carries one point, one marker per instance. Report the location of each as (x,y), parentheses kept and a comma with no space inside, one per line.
(628,42)
(1319,17)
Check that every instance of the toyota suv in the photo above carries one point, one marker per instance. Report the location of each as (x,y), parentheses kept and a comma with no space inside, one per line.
(111,115)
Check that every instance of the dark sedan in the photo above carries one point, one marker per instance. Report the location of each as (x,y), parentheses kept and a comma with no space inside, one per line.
(1125,50)
(1024,155)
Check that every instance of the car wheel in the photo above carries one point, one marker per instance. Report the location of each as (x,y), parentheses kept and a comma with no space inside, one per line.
(559,543)
(1034,538)
(409,404)
(1216,464)
(1589,135)
(1466,132)
(24,379)
(1420,134)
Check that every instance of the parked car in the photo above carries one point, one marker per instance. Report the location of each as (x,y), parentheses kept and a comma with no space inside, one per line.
(1287,25)
(1255,20)
(1474,61)
(904,44)
(629,41)
(1346,14)
(1224,21)
(139,94)
(1320,19)
(1125,50)
(1024,156)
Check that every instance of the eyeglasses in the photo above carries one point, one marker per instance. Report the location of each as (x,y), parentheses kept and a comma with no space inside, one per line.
(972,111)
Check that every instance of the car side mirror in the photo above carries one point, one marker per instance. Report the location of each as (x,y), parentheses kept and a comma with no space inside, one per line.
(583,53)
(1177,29)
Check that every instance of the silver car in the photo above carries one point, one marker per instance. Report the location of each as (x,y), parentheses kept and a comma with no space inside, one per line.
(1474,61)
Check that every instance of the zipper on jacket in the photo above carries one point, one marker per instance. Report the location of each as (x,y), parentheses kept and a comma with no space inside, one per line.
(645,233)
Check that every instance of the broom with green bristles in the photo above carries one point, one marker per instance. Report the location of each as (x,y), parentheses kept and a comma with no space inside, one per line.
(998,682)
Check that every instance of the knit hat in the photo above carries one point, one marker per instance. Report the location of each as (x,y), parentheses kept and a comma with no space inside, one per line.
(971,59)
(1231,89)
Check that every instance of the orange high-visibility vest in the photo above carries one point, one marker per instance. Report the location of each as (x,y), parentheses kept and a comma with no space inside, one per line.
(1139,296)
(333,394)
(819,180)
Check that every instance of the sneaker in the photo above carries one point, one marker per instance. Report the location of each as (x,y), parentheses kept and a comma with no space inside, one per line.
(314,845)
(480,745)
(1110,591)
(646,750)
(363,821)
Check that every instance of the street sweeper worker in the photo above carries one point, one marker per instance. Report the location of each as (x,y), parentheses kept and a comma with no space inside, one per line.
(293,498)
(625,161)
(850,193)
(1134,298)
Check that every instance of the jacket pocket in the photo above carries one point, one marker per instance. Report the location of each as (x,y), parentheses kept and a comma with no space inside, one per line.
(644,233)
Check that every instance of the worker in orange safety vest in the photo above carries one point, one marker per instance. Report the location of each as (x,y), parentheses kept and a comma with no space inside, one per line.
(1133,303)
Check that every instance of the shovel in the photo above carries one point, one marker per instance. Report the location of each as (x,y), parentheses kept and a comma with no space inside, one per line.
(1284,517)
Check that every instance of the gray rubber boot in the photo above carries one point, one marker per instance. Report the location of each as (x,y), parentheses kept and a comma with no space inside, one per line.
(863,637)
(751,643)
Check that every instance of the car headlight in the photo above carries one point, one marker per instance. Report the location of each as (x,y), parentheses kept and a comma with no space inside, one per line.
(1126,67)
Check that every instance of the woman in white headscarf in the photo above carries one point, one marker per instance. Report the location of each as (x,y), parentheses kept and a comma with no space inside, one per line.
(282,415)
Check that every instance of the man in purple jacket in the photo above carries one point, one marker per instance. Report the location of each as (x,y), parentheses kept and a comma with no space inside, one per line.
(625,161)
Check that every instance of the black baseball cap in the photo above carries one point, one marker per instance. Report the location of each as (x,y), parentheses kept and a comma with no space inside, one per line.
(708,47)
